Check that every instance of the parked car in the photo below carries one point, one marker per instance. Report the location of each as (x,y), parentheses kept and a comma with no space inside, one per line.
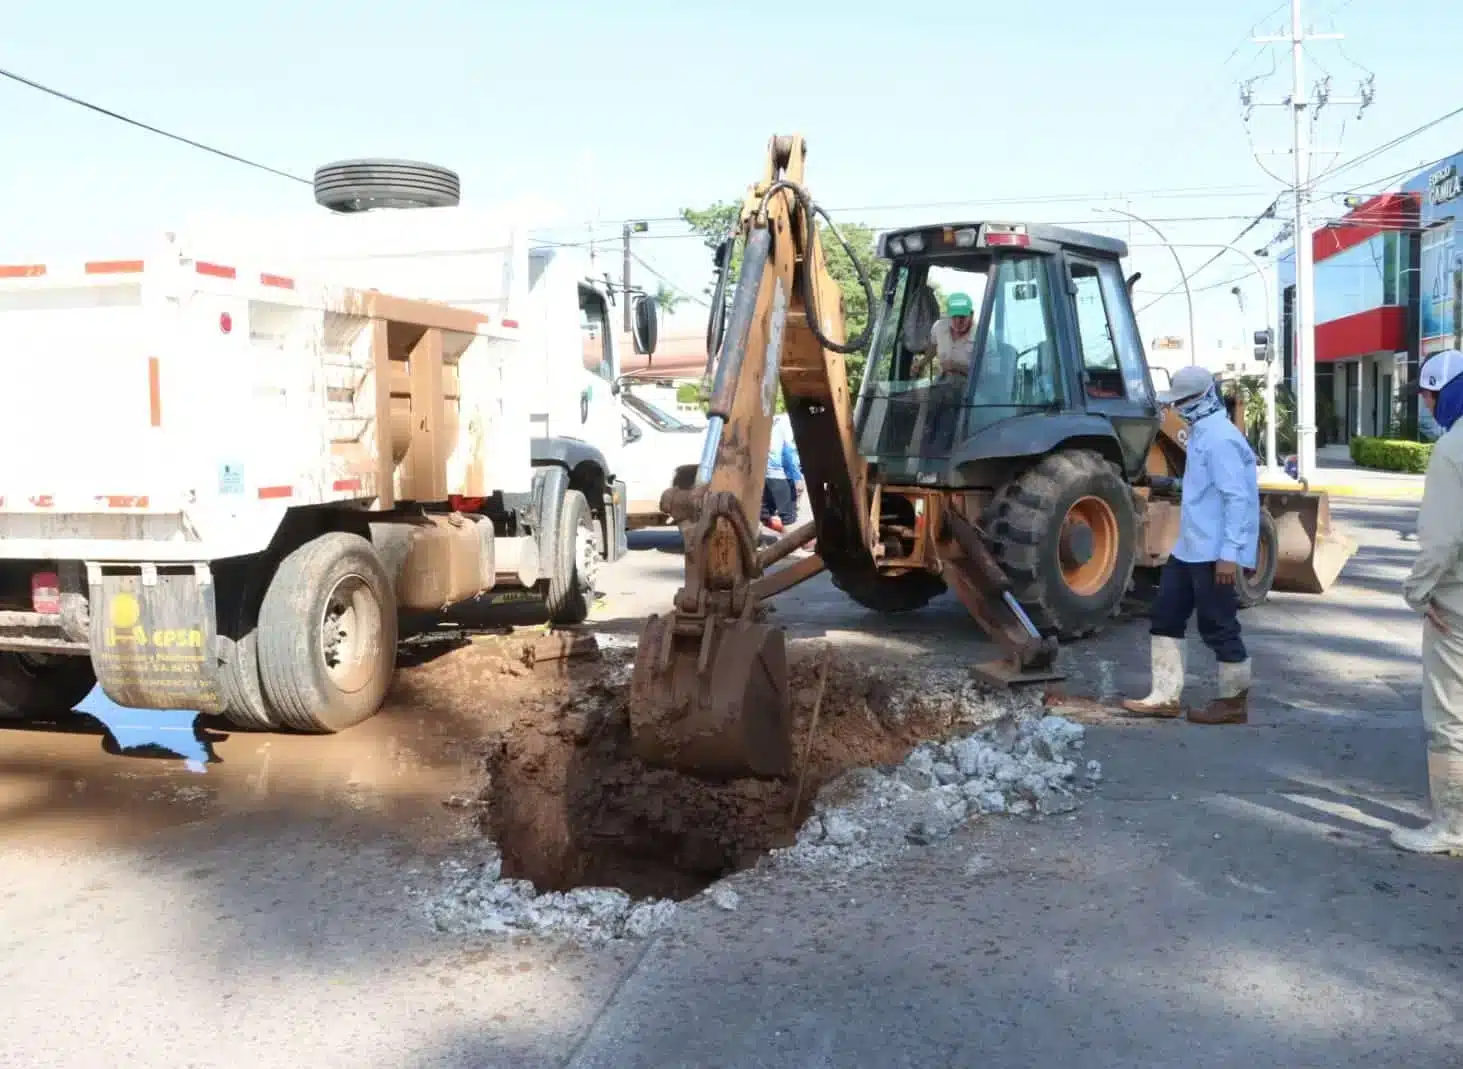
(660,450)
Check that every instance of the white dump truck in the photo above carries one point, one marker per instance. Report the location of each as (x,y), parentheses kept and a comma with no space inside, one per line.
(228,465)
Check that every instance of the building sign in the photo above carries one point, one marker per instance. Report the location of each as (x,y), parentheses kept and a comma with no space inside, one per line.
(1444,185)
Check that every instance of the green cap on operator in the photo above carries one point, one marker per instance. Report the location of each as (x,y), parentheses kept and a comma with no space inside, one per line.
(959,305)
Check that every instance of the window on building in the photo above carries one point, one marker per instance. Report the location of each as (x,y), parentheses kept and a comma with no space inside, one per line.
(1363,277)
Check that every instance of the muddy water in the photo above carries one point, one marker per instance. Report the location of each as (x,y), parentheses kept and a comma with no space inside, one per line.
(104,772)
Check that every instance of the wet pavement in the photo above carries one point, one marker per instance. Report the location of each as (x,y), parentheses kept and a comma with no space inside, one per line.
(179,894)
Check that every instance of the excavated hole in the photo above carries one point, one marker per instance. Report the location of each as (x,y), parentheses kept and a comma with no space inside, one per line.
(569,806)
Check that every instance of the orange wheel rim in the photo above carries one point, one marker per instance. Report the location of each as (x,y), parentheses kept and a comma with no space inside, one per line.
(1088,545)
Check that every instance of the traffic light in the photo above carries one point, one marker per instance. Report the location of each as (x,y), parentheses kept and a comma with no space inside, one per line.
(1265,345)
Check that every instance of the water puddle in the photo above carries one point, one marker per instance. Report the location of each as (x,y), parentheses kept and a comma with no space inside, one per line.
(156,733)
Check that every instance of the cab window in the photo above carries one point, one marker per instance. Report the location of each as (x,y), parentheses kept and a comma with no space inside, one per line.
(594,334)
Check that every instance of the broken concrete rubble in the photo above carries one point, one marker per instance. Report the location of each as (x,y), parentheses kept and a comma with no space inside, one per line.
(1017,765)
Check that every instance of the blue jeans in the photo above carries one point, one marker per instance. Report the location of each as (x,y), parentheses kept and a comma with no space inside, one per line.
(1186,588)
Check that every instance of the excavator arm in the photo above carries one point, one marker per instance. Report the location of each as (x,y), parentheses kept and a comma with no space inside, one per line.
(709,692)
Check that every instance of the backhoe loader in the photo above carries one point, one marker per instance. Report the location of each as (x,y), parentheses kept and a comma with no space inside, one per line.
(1031,482)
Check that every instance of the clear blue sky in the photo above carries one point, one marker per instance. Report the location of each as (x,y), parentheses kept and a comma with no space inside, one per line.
(640,109)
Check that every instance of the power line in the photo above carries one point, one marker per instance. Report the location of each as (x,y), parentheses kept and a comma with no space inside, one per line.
(58,94)
(682,291)
(1371,154)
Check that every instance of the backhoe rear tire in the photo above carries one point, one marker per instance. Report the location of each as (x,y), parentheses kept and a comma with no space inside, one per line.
(891,593)
(1066,534)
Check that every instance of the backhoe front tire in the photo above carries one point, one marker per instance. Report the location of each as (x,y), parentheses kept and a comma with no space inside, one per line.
(1253,584)
(1066,534)
(891,593)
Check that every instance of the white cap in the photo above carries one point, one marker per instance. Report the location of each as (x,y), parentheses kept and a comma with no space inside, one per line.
(1440,369)
(1187,382)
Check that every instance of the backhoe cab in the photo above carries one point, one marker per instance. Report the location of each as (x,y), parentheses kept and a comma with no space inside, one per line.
(1036,445)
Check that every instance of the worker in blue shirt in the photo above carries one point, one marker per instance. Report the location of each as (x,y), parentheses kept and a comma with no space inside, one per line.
(1219,531)
(784,476)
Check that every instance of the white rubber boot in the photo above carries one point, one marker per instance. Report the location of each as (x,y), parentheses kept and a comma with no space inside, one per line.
(1168,681)
(1445,834)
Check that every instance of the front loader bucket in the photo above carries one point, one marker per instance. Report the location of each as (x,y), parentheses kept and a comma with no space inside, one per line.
(713,704)
(1311,553)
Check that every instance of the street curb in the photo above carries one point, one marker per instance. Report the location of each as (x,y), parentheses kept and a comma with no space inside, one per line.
(1402,493)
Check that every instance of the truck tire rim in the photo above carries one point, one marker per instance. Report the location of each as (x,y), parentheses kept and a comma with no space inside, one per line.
(350,633)
(1088,545)
(586,556)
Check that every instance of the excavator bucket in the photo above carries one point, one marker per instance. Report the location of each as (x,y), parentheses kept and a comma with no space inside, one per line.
(1310,552)
(716,702)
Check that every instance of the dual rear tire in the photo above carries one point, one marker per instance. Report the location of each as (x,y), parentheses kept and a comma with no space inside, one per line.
(319,652)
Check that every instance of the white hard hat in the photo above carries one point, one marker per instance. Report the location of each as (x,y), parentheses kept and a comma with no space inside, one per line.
(1187,382)
(1440,369)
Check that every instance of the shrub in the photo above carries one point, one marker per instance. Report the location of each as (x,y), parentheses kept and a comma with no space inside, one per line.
(1387,454)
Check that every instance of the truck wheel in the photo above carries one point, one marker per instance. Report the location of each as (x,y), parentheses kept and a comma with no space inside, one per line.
(37,683)
(363,185)
(1253,584)
(246,706)
(327,634)
(576,561)
(891,593)
(1066,535)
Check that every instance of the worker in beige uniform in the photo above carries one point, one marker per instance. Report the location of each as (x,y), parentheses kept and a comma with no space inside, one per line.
(1434,588)
(951,346)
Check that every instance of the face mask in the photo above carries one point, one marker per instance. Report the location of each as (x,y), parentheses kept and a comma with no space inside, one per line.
(1196,408)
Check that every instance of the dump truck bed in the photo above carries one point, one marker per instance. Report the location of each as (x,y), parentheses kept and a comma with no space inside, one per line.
(175,406)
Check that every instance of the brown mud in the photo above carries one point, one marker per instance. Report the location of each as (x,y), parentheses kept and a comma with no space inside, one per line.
(569,804)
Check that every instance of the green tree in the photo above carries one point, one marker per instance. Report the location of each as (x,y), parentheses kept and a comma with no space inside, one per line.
(668,299)
(720,220)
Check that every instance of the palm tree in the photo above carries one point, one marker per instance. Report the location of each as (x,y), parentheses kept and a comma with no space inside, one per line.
(668,299)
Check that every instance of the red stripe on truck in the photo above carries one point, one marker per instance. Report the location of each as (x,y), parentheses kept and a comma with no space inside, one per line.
(277,281)
(346,484)
(113,267)
(22,270)
(215,270)
(267,493)
(43,501)
(511,323)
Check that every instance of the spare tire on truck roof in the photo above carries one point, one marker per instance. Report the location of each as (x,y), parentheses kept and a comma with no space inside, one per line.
(365,185)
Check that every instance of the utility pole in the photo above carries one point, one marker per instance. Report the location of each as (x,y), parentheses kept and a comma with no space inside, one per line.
(638,227)
(1302,115)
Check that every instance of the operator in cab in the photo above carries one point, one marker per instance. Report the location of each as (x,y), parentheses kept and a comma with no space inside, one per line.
(1219,531)
(952,341)
(952,348)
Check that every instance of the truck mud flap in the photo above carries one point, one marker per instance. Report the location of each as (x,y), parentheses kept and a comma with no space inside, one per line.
(1310,552)
(154,636)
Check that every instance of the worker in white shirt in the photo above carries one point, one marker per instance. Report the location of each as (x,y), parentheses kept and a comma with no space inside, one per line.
(952,347)
(952,341)
(1434,588)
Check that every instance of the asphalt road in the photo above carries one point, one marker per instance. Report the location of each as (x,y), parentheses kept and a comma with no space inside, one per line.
(1227,898)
